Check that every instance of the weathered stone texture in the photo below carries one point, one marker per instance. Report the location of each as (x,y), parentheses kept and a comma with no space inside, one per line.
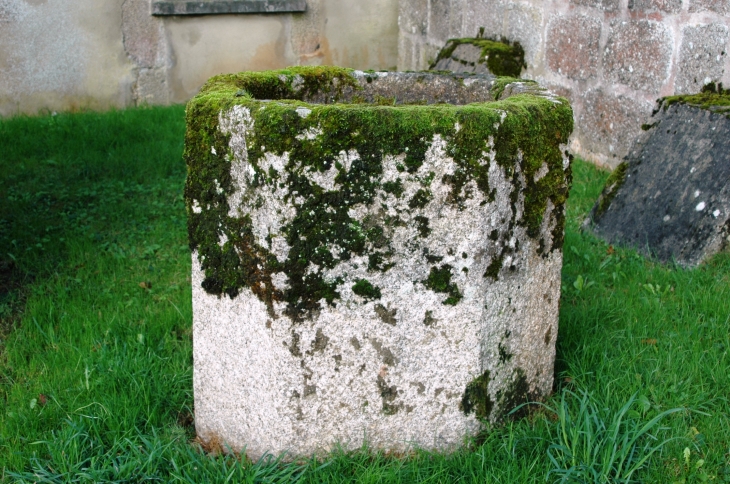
(702,57)
(143,35)
(720,6)
(674,201)
(408,57)
(446,310)
(489,16)
(444,19)
(573,46)
(635,48)
(151,87)
(413,17)
(307,34)
(614,121)
(465,58)
(638,54)
(209,7)
(606,5)
(481,56)
(668,6)
(524,25)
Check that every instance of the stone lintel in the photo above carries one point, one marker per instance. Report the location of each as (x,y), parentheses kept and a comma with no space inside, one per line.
(217,7)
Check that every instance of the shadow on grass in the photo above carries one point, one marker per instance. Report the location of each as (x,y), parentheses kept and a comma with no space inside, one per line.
(71,177)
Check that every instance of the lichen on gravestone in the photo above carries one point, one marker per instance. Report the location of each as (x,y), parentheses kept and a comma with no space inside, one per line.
(670,197)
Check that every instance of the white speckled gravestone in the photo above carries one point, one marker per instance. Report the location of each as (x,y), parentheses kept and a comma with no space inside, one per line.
(374,271)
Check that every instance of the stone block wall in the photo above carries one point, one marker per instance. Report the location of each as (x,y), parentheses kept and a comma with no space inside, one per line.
(611,58)
(87,54)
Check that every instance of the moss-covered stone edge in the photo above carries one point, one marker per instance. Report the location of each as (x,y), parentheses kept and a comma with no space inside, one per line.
(614,182)
(477,400)
(503,58)
(500,84)
(712,98)
(535,128)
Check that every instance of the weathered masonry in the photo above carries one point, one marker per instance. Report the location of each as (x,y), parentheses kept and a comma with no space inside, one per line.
(376,256)
(611,58)
(670,198)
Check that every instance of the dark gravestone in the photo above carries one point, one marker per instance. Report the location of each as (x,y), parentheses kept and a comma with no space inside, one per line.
(671,196)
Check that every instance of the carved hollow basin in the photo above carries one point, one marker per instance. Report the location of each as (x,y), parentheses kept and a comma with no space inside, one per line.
(376,256)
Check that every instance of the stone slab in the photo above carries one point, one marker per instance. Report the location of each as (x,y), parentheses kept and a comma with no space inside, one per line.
(217,7)
(368,271)
(481,56)
(701,57)
(573,46)
(638,54)
(670,198)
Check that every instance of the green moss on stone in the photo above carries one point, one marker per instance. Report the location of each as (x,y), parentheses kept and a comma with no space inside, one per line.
(394,187)
(504,354)
(515,394)
(614,182)
(499,84)
(229,255)
(388,394)
(420,199)
(494,267)
(364,288)
(501,57)
(712,97)
(439,280)
(476,397)
(422,225)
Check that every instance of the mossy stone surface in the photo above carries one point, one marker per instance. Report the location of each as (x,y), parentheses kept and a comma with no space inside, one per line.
(478,55)
(712,97)
(372,249)
(532,125)
(614,182)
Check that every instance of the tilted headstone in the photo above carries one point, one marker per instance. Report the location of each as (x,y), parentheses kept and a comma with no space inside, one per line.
(670,198)
(370,266)
(481,56)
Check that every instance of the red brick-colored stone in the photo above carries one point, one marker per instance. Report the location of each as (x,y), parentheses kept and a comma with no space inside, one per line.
(572,46)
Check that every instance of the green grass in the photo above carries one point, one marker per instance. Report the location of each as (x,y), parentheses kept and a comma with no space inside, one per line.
(95,336)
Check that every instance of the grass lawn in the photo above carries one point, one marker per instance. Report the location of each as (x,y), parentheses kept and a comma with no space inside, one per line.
(96,353)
